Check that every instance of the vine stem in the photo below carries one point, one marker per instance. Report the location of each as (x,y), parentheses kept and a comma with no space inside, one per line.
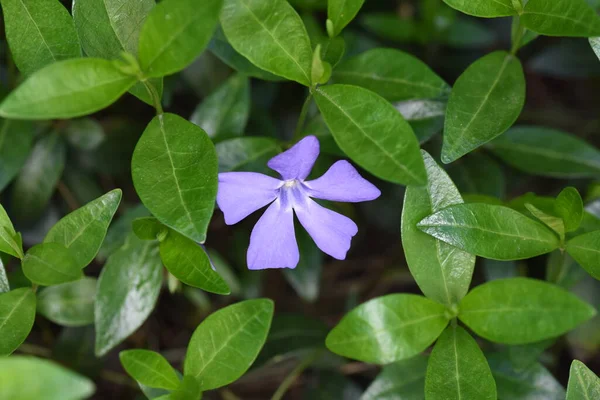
(296,372)
(302,117)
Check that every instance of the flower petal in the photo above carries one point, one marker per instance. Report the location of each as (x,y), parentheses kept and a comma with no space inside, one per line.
(273,240)
(242,193)
(342,182)
(332,232)
(296,162)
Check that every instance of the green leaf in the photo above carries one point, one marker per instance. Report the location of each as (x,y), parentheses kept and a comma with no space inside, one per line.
(399,381)
(372,133)
(175,33)
(547,152)
(392,74)
(478,173)
(38,178)
(49,264)
(552,222)
(388,329)
(561,18)
(52,382)
(246,154)
(522,310)
(484,8)
(490,231)
(83,230)
(341,12)
(583,383)
(569,206)
(69,304)
(17,313)
(39,33)
(85,133)
(148,228)
(442,271)
(72,88)
(149,368)
(226,343)
(458,369)
(306,277)
(485,101)
(128,288)
(585,249)
(16,138)
(390,26)
(595,43)
(4,285)
(10,240)
(119,230)
(225,112)
(271,35)
(189,263)
(174,169)
(426,117)
(189,389)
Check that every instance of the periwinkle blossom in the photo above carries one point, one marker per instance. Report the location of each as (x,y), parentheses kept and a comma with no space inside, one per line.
(273,241)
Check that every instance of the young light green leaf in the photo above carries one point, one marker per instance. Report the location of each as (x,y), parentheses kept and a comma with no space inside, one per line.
(225,112)
(10,240)
(443,272)
(226,343)
(175,33)
(372,133)
(17,313)
(128,288)
(583,383)
(49,264)
(69,304)
(398,381)
(547,152)
(72,88)
(341,12)
(246,154)
(457,369)
(174,170)
(306,277)
(39,33)
(16,138)
(485,101)
(490,231)
(484,8)
(388,329)
(503,310)
(149,368)
(4,285)
(148,228)
(561,18)
(585,249)
(392,74)
(552,222)
(569,206)
(271,35)
(83,230)
(52,381)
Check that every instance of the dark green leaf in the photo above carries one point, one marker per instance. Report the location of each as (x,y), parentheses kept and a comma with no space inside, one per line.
(563,270)
(16,138)
(485,101)
(332,385)
(306,277)
(522,310)
(149,368)
(17,313)
(390,26)
(524,356)
(148,228)
(174,169)
(246,154)
(226,344)
(118,231)
(467,33)
(402,380)
(426,117)
(372,133)
(478,173)
(10,241)
(341,12)
(388,329)
(494,269)
(561,18)
(585,249)
(49,264)
(484,8)
(569,206)
(85,133)
(585,339)
(583,383)
(69,304)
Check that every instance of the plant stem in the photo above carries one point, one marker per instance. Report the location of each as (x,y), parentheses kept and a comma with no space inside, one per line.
(302,117)
(296,372)
(154,95)
(35,350)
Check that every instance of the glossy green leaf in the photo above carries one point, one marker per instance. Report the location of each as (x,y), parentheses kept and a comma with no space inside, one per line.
(490,231)
(585,249)
(402,380)
(4,285)
(561,18)
(457,369)
(443,272)
(39,33)
(52,381)
(148,228)
(569,206)
(72,88)
(119,230)
(69,304)
(478,173)
(225,112)
(583,383)
(341,12)
(522,310)
(426,117)
(49,264)
(149,368)
(246,154)
(10,240)
(174,169)
(468,33)
(372,133)
(485,101)
(547,152)
(226,343)
(306,277)
(484,8)
(552,222)
(127,291)
(388,329)
(271,35)
(17,313)
(16,138)
(392,74)
(595,43)
(83,230)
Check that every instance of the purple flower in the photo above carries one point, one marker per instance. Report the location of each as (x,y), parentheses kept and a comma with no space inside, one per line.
(273,242)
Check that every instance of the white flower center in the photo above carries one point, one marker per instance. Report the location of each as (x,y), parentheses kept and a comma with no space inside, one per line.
(290,183)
